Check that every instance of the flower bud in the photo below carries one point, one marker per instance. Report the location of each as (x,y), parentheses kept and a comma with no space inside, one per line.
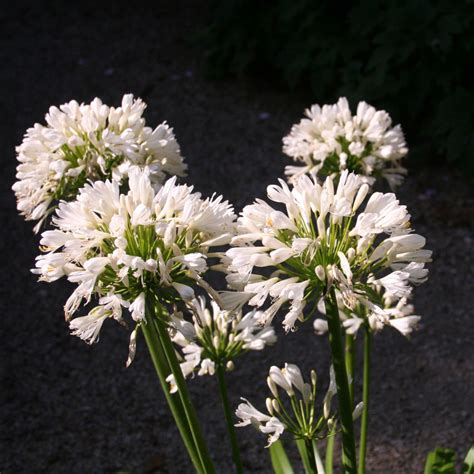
(363,190)
(351,254)
(230,366)
(269,405)
(320,273)
(272,386)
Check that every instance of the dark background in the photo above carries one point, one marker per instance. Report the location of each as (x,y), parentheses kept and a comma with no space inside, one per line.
(69,407)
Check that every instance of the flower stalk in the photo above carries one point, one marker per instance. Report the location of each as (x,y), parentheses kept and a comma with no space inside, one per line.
(350,363)
(162,369)
(365,398)
(343,393)
(164,358)
(229,419)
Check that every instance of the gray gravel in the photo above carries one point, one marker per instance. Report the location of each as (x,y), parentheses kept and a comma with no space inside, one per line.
(70,408)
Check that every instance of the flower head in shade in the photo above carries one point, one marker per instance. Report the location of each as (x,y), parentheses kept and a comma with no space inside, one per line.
(89,142)
(398,314)
(316,238)
(120,247)
(216,337)
(330,140)
(300,416)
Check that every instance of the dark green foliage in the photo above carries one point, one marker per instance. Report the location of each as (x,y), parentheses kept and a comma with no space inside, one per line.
(441,461)
(410,57)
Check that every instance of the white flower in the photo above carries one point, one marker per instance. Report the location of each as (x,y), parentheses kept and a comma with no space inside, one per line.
(82,142)
(266,424)
(300,416)
(326,239)
(216,336)
(122,247)
(330,139)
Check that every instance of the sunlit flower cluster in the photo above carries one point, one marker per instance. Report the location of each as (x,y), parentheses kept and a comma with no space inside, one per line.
(82,142)
(216,337)
(118,247)
(330,139)
(300,416)
(319,241)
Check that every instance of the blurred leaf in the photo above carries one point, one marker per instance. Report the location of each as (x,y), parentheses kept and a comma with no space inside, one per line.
(280,462)
(468,464)
(441,461)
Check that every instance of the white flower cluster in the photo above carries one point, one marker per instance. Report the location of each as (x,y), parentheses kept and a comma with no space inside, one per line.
(84,142)
(321,242)
(331,140)
(302,419)
(120,247)
(399,314)
(216,337)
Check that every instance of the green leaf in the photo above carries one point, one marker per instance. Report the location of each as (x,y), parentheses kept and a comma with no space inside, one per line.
(441,461)
(300,444)
(280,462)
(468,464)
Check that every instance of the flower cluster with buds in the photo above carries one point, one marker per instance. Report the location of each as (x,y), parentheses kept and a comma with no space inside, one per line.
(321,242)
(399,315)
(216,337)
(119,247)
(331,140)
(89,142)
(300,416)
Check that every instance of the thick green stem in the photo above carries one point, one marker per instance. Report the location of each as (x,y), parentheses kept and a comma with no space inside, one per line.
(365,398)
(317,458)
(328,461)
(350,364)
(163,370)
(345,406)
(183,393)
(228,417)
(311,461)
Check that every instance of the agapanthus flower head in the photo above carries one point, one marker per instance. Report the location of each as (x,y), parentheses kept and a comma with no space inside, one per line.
(120,248)
(330,140)
(89,142)
(321,239)
(398,314)
(216,337)
(297,413)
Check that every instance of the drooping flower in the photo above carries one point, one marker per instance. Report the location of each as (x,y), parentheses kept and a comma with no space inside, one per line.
(318,242)
(216,337)
(82,142)
(120,247)
(399,315)
(330,140)
(300,416)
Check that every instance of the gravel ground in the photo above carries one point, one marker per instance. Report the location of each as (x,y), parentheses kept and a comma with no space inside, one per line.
(70,408)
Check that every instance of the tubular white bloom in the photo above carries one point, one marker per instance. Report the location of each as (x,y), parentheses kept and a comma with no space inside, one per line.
(397,313)
(82,142)
(120,247)
(300,416)
(330,139)
(368,255)
(217,337)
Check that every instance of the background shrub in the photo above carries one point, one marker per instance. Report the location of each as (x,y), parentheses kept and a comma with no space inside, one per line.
(410,57)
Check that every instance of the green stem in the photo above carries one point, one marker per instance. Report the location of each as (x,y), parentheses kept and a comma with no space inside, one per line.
(183,393)
(350,364)
(311,461)
(228,417)
(365,398)
(317,458)
(163,370)
(330,450)
(345,406)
